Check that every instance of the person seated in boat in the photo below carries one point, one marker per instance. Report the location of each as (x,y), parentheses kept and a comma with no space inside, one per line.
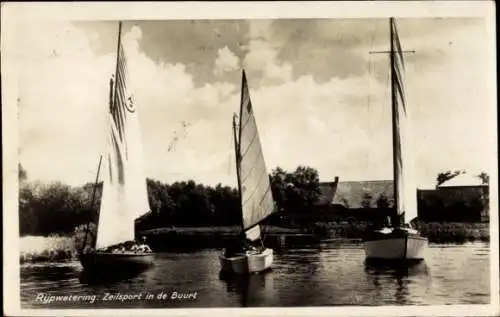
(143,247)
(128,245)
(233,249)
(238,246)
(387,222)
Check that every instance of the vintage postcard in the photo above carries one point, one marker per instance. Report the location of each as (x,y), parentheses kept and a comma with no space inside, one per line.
(288,158)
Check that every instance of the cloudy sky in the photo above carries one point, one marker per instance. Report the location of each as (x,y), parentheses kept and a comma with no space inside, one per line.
(320,99)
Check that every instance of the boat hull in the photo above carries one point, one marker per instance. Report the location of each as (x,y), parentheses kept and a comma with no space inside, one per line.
(115,263)
(397,245)
(248,263)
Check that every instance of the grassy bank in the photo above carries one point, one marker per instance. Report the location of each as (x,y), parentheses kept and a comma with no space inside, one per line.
(52,248)
(456,232)
(436,232)
(220,230)
(60,248)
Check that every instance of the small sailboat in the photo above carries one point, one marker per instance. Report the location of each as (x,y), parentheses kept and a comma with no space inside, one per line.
(398,240)
(249,255)
(124,193)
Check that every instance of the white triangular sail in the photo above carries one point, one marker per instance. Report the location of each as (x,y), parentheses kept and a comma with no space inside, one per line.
(113,226)
(257,202)
(124,196)
(404,184)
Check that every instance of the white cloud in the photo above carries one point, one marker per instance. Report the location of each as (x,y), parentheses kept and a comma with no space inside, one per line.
(226,61)
(262,55)
(64,96)
(327,125)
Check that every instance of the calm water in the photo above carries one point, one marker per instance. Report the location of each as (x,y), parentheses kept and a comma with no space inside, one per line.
(329,273)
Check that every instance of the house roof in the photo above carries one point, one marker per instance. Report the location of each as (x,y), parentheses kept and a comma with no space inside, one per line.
(327,194)
(463,180)
(350,194)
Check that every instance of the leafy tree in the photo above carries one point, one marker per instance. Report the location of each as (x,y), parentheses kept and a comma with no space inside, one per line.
(383,201)
(296,191)
(278,180)
(345,202)
(226,203)
(485,178)
(446,176)
(59,208)
(85,233)
(367,200)
(22,173)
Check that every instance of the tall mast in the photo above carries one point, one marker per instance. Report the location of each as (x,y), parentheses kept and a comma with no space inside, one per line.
(394,127)
(117,58)
(243,83)
(238,144)
(237,156)
(91,205)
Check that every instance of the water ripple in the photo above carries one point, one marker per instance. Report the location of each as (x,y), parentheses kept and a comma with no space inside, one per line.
(328,273)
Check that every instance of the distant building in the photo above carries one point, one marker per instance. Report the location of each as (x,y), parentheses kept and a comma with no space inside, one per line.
(467,192)
(462,180)
(354,194)
(463,198)
(328,190)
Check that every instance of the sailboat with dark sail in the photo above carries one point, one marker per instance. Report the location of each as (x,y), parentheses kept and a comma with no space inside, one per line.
(249,255)
(124,192)
(398,240)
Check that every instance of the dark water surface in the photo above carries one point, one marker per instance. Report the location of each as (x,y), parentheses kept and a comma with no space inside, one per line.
(321,274)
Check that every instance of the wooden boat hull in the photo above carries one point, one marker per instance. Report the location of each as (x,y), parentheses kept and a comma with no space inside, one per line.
(399,245)
(248,263)
(116,262)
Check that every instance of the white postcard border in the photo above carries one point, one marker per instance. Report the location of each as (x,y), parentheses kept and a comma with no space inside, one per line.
(13,13)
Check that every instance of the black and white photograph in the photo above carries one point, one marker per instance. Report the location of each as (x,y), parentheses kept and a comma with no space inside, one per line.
(162,159)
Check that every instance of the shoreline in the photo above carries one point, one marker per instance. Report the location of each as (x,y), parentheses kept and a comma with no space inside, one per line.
(59,248)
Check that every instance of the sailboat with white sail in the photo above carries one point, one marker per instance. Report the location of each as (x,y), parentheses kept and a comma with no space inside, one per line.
(249,254)
(399,240)
(124,193)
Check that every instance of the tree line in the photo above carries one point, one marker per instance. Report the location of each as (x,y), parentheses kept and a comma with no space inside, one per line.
(58,208)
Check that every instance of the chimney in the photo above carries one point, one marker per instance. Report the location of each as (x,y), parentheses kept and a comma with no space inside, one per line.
(334,189)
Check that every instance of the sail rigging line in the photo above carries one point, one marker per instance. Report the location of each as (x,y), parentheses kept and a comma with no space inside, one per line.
(229,155)
(255,189)
(394,124)
(91,204)
(237,156)
(370,66)
(117,115)
(253,165)
(245,123)
(254,137)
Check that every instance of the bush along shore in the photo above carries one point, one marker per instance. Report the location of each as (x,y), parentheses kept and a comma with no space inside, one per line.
(53,248)
(435,232)
(50,208)
(56,248)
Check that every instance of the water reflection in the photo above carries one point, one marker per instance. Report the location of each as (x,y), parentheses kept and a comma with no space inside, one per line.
(386,277)
(95,278)
(308,275)
(56,275)
(250,289)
